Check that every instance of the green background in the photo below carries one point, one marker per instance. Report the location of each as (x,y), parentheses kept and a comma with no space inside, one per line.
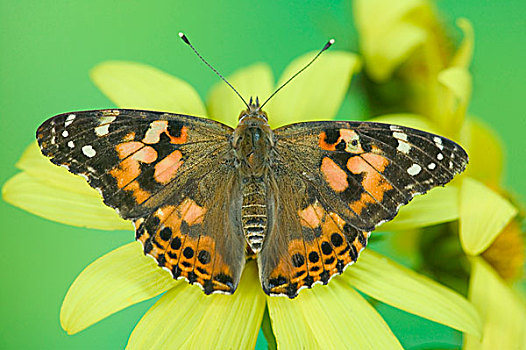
(47,48)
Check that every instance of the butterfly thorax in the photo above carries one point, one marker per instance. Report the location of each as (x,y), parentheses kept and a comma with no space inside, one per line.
(253,142)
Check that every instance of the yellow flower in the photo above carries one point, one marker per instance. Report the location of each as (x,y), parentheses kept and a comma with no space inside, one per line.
(332,316)
(506,253)
(406,49)
(502,310)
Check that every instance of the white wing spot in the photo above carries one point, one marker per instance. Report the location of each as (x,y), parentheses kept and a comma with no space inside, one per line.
(431,166)
(394,128)
(71,144)
(102,130)
(440,156)
(403,147)
(65,133)
(69,120)
(438,142)
(88,151)
(104,125)
(414,170)
(400,135)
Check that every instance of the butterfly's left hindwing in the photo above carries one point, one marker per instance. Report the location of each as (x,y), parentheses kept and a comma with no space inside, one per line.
(173,175)
(308,242)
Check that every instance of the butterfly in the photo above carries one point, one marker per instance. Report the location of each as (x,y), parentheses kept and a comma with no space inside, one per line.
(302,199)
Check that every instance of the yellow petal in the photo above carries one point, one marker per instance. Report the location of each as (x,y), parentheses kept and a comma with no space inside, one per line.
(402,288)
(387,37)
(453,96)
(186,318)
(396,45)
(503,313)
(483,215)
(60,205)
(113,282)
(437,206)
(39,167)
(458,81)
(289,324)
(47,190)
(223,103)
(317,93)
(268,332)
(329,317)
(462,57)
(373,17)
(135,85)
(485,152)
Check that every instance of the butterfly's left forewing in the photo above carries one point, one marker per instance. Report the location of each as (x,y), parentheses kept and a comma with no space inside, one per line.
(368,170)
(171,174)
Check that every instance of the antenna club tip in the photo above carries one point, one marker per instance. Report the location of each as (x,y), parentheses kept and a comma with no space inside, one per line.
(185,39)
(329,44)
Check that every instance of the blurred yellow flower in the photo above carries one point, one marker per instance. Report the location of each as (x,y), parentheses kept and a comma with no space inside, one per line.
(414,67)
(184,314)
(405,49)
(506,253)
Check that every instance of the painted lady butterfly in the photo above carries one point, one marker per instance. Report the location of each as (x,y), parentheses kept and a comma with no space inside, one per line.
(302,198)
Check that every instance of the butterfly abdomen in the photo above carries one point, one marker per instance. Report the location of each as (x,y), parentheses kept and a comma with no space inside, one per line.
(254,213)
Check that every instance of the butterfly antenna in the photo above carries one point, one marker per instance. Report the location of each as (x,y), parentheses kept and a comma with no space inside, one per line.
(185,39)
(329,44)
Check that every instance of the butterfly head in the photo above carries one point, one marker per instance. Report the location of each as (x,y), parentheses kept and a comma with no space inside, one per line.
(253,111)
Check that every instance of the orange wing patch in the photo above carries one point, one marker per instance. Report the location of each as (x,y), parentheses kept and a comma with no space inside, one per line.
(126,148)
(374,184)
(129,168)
(166,169)
(134,153)
(185,255)
(334,175)
(333,246)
